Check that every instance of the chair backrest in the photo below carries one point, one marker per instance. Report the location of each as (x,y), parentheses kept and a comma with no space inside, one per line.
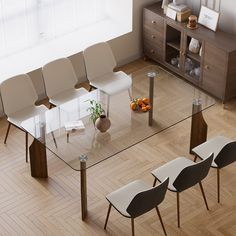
(99,60)
(193,174)
(227,155)
(147,200)
(17,93)
(59,75)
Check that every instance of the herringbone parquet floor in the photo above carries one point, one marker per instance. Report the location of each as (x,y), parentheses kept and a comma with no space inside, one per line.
(30,206)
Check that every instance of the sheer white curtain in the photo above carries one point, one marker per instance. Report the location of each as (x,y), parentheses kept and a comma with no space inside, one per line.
(26,23)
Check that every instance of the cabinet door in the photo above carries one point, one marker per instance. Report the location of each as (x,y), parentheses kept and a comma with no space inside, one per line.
(214,70)
(153,35)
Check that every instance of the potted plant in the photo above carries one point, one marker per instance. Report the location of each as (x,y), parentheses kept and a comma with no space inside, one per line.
(97,116)
(95,110)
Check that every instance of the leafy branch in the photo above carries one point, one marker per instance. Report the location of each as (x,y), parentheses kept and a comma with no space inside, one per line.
(95,110)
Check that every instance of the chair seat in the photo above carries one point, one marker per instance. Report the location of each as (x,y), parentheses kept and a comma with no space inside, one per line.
(17,117)
(213,145)
(112,83)
(171,170)
(122,197)
(67,95)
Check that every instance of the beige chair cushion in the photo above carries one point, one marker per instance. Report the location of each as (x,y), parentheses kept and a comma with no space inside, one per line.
(171,169)
(213,145)
(67,95)
(112,83)
(19,116)
(122,197)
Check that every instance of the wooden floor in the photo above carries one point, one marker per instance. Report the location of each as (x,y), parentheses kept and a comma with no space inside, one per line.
(30,206)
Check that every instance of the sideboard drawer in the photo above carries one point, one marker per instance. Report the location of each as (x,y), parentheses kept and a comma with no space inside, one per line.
(153,21)
(153,51)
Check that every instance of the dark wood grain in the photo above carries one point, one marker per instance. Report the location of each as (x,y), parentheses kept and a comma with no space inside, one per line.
(38,160)
(217,63)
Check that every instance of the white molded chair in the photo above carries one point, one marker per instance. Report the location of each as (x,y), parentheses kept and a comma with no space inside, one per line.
(183,174)
(19,97)
(224,150)
(137,198)
(60,80)
(100,63)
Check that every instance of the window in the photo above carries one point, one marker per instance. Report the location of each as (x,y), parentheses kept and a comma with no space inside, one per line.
(26,23)
(33,32)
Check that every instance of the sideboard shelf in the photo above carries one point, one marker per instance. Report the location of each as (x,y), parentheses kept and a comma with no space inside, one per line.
(165,39)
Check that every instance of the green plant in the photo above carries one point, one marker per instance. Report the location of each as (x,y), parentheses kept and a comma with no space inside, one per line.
(95,110)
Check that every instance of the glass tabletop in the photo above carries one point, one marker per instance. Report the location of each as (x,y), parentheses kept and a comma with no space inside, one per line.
(172,103)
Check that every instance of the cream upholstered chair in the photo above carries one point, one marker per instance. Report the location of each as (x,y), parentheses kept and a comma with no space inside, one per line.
(224,150)
(100,63)
(183,174)
(60,80)
(135,199)
(19,97)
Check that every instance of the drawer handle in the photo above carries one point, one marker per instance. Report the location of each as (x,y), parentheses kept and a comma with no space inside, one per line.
(152,51)
(207,67)
(153,36)
(154,22)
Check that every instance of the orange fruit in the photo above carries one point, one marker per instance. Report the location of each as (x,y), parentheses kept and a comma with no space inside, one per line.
(139,101)
(133,106)
(148,107)
(144,108)
(145,101)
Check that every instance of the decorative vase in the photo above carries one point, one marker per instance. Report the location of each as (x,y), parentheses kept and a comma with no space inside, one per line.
(102,123)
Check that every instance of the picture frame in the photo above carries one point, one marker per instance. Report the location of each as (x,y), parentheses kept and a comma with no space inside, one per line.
(209,18)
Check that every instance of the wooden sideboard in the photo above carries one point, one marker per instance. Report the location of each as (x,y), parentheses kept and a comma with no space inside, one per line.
(167,42)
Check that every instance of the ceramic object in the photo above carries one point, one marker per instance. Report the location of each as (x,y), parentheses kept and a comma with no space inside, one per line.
(102,123)
(188,64)
(197,71)
(194,46)
(174,61)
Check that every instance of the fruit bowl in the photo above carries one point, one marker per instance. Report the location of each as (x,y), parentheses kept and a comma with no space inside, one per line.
(140,105)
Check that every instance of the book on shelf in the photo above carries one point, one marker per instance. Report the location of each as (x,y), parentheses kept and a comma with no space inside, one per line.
(178,8)
(74,125)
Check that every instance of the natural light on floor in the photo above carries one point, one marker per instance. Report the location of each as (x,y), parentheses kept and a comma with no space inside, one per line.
(34,32)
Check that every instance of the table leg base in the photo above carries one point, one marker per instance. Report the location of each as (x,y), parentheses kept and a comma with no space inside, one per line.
(198,133)
(38,160)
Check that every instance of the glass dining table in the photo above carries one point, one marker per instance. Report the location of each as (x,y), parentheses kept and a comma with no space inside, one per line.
(172,100)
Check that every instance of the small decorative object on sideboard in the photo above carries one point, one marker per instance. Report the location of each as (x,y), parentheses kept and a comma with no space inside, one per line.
(102,123)
(209,18)
(192,22)
(194,45)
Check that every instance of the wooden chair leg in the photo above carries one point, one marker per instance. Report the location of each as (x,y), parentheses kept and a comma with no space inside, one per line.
(51,106)
(8,129)
(159,215)
(195,158)
(132,225)
(26,147)
(108,213)
(178,210)
(218,185)
(203,194)
(154,183)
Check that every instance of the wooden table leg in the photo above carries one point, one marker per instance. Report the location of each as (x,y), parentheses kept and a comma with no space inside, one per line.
(38,160)
(83,186)
(151,76)
(198,133)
